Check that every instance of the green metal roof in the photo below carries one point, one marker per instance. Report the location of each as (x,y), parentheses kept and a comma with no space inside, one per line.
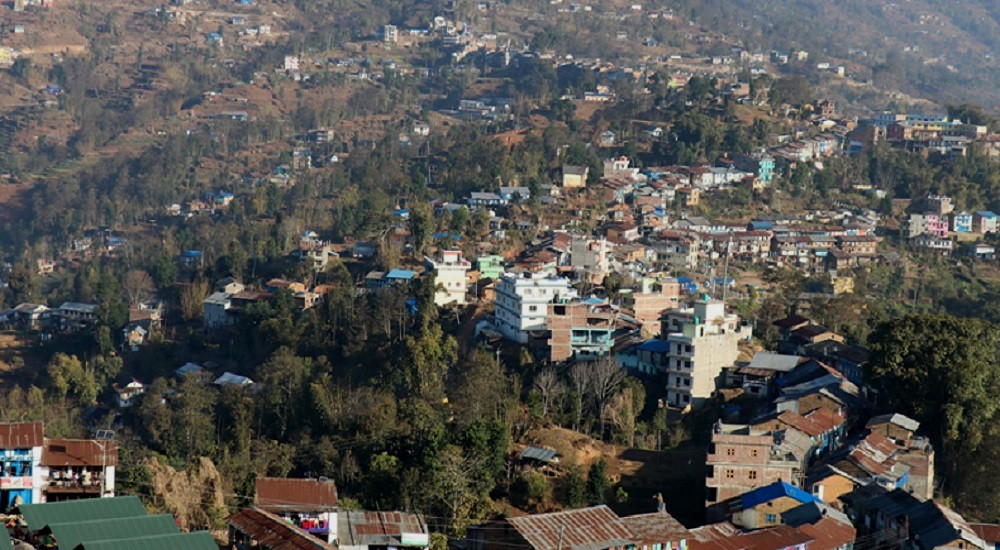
(70,535)
(38,516)
(199,540)
(6,542)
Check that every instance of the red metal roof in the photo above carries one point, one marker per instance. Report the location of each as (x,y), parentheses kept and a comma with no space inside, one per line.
(656,528)
(79,452)
(295,494)
(989,532)
(274,533)
(828,534)
(21,435)
(593,528)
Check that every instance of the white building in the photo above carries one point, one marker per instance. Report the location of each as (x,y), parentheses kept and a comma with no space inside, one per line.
(451,278)
(522,302)
(390,34)
(703,340)
(215,310)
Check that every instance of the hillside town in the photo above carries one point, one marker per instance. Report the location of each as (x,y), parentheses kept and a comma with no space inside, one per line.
(443,274)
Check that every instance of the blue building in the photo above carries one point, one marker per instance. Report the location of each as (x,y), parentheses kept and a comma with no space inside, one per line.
(21,447)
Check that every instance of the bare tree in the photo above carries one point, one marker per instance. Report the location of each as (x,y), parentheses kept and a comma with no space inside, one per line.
(136,286)
(547,384)
(604,378)
(579,380)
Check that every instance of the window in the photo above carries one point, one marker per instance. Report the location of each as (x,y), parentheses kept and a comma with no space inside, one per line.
(730,452)
(771,518)
(687,382)
(532,308)
(753,453)
(752,474)
(730,473)
(687,398)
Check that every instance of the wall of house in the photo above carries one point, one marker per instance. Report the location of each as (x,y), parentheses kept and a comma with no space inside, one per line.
(829,490)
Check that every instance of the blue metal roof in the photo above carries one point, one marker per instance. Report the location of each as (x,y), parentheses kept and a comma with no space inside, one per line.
(400,274)
(593,301)
(775,490)
(656,346)
(761,225)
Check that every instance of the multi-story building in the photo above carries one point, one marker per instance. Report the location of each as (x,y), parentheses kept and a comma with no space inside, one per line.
(451,277)
(581,330)
(741,459)
(79,468)
(703,340)
(574,176)
(651,300)
(310,504)
(21,478)
(390,34)
(522,302)
(961,222)
(985,221)
(939,204)
(590,258)
(490,267)
(928,222)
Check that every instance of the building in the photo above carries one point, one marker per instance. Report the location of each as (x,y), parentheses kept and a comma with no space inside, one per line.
(74,315)
(761,507)
(985,221)
(490,267)
(216,310)
(590,258)
(79,468)
(310,504)
(364,530)
(390,34)
(451,277)
(703,341)
(961,222)
(618,166)
(927,223)
(741,458)
(594,528)
(21,460)
(581,330)
(260,529)
(522,303)
(574,176)
(651,300)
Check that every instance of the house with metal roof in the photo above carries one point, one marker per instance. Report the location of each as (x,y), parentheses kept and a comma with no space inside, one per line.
(39,516)
(21,461)
(197,540)
(71,535)
(310,504)
(256,528)
(366,530)
(595,528)
(761,507)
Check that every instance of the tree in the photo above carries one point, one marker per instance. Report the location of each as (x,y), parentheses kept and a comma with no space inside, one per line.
(67,377)
(192,297)
(421,227)
(548,385)
(137,285)
(604,378)
(944,372)
(597,482)
(481,390)
(579,382)
(576,490)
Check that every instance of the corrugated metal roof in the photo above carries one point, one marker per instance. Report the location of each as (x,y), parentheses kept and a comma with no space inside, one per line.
(21,435)
(774,361)
(79,452)
(593,528)
(656,528)
(296,494)
(70,535)
(538,453)
(198,540)
(270,531)
(359,527)
(828,534)
(37,516)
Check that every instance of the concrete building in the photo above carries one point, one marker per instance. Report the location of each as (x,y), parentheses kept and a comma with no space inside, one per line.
(590,258)
(741,459)
(929,223)
(79,468)
(703,341)
(390,34)
(574,176)
(522,302)
(581,330)
(451,277)
(651,300)
(21,460)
